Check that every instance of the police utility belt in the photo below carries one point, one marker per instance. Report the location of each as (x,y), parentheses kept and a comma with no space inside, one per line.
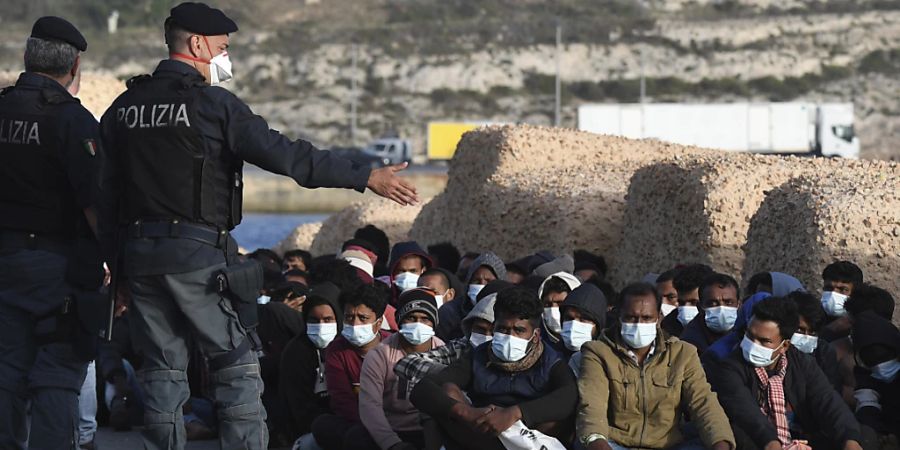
(177,229)
(20,240)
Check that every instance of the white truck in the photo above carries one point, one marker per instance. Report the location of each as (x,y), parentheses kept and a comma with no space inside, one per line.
(390,150)
(823,129)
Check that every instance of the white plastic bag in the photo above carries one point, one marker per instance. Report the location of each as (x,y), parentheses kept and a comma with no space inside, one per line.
(520,437)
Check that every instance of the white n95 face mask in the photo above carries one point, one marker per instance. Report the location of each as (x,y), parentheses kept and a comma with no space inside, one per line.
(721,318)
(638,335)
(416,333)
(321,334)
(509,348)
(574,334)
(220,69)
(833,303)
(804,342)
(552,318)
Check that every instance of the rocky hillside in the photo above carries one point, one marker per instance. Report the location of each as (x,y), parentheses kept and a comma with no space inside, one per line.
(494,60)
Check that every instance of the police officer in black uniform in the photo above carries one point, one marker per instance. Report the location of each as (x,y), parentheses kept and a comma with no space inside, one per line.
(173,149)
(48,254)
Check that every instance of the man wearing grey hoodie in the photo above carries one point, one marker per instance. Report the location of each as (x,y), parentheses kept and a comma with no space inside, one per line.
(485,269)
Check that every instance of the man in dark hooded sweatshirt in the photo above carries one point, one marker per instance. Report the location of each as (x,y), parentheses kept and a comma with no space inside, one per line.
(452,295)
(486,268)
(719,304)
(512,378)
(408,262)
(876,343)
(583,318)
(302,377)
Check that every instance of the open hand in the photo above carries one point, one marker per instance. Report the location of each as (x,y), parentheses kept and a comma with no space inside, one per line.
(386,183)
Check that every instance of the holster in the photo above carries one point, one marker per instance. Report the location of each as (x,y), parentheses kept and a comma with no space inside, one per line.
(80,321)
(90,311)
(240,283)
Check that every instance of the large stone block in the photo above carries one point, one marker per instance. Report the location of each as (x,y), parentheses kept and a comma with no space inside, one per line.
(301,238)
(518,189)
(393,219)
(811,221)
(695,209)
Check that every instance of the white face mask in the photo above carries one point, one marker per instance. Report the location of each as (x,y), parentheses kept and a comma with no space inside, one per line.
(321,334)
(439,299)
(509,348)
(263,299)
(638,335)
(477,339)
(406,281)
(833,303)
(358,335)
(721,318)
(687,314)
(756,354)
(416,333)
(804,342)
(575,334)
(552,319)
(886,371)
(220,69)
(667,309)
(474,290)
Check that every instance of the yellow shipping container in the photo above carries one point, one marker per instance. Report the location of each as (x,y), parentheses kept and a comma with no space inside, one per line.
(444,136)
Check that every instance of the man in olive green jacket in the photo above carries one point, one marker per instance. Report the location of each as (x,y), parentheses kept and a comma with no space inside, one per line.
(635,382)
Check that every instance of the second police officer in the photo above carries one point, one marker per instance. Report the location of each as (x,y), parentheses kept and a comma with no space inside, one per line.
(173,149)
(50,266)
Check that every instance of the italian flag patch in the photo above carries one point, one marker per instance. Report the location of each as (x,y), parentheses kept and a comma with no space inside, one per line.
(91,146)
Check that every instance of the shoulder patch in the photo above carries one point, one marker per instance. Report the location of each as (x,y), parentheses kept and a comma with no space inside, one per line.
(90,146)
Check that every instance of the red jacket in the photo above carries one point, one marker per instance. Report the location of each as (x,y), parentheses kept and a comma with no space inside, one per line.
(342,367)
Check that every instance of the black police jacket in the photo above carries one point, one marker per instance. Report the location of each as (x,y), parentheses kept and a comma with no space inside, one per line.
(48,142)
(141,180)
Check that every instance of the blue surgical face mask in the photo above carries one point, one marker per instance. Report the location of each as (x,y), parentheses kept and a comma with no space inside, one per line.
(416,333)
(509,348)
(721,318)
(474,290)
(477,339)
(804,342)
(886,371)
(321,334)
(757,355)
(406,281)
(667,309)
(358,335)
(575,333)
(552,319)
(687,313)
(833,303)
(638,335)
